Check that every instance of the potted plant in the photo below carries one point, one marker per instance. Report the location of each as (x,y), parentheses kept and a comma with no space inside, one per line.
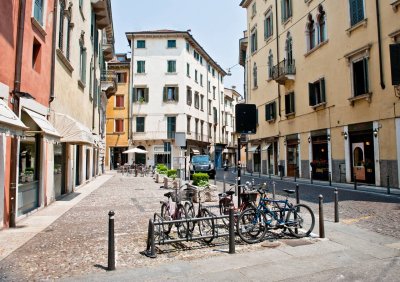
(29,174)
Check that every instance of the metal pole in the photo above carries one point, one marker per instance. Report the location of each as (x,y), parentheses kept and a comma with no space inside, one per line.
(150,250)
(224,182)
(111,241)
(355,182)
(295,175)
(312,175)
(297,194)
(330,178)
(336,205)
(231,231)
(388,184)
(238,173)
(273,190)
(321,217)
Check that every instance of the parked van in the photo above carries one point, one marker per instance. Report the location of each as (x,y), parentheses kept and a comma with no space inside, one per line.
(202,163)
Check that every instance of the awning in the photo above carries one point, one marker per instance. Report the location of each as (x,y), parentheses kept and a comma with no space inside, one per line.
(265,148)
(72,131)
(253,149)
(42,122)
(162,153)
(9,120)
(195,151)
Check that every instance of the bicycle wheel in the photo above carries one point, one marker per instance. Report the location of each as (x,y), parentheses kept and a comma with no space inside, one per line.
(300,220)
(165,215)
(252,225)
(191,214)
(206,226)
(181,227)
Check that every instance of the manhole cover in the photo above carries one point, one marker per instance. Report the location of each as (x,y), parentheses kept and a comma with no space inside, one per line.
(296,242)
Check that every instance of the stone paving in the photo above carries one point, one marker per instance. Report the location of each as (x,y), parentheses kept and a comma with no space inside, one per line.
(76,243)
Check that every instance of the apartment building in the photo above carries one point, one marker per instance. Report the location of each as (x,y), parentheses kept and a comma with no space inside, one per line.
(118,129)
(322,78)
(177,97)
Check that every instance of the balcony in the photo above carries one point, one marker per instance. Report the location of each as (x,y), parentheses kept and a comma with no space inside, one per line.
(108,83)
(102,9)
(283,71)
(108,50)
(198,136)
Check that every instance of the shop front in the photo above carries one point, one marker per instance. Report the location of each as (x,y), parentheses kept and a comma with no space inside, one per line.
(292,155)
(320,157)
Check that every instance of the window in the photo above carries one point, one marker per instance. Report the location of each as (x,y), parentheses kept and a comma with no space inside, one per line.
(196,100)
(253,40)
(119,101)
(356,11)
(321,19)
(187,46)
(61,27)
(171,127)
(187,69)
(360,76)
(289,104)
(289,49)
(215,115)
(196,55)
(316,92)
(201,60)
(255,75)
(171,43)
(38,11)
(209,107)
(82,65)
(286,9)
(270,65)
(141,94)
(195,76)
(36,55)
(253,10)
(310,32)
(141,67)
(201,102)
(188,124)
(121,77)
(214,88)
(268,25)
(118,125)
(80,4)
(213,72)
(65,15)
(139,124)
(201,80)
(189,96)
(171,67)
(141,44)
(170,93)
(209,87)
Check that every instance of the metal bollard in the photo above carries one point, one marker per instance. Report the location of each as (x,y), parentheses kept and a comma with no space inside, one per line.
(321,217)
(336,205)
(312,176)
(388,184)
(355,182)
(224,183)
(231,231)
(150,250)
(273,190)
(111,241)
(330,178)
(297,194)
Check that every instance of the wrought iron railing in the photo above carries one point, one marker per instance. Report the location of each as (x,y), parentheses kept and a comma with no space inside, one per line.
(285,67)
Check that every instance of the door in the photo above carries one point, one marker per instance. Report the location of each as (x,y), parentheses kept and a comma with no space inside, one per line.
(77,165)
(358,161)
(292,159)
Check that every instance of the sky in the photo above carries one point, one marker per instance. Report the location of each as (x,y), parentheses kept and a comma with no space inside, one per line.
(217,25)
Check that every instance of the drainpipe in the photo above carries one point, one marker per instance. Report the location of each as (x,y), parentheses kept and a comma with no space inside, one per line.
(378,24)
(17,87)
(53,52)
(277,55)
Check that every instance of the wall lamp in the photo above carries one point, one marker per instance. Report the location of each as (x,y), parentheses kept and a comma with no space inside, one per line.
(328,137)
(309,139)
(376,132)
(345,135)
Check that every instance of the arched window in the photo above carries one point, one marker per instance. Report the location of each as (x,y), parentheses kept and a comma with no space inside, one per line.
(65,26)
(311,32)
(321,19)
(255,75)
(289,49)
(61,27)
(270,64)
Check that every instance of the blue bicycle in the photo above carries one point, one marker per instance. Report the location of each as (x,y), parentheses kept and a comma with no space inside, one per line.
(253,224)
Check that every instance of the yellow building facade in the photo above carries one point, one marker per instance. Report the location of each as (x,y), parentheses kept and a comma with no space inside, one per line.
(320,75)
(117,121)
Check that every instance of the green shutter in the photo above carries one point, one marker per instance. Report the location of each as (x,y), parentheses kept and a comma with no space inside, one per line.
(134,94)
(272,23)
(176,98)
(322,88)
(365,63)
(146,95)
(267,112)
(292,103)
(283,10)
(311,94)
(165,94)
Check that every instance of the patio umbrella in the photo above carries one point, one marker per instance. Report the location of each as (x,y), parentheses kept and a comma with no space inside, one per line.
(135,150)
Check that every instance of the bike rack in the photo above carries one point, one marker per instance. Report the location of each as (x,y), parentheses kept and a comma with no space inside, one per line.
(159,222)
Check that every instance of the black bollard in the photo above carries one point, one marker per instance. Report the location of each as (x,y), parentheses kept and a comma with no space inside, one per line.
(111,243)
(312,176)
(231,231)
(150,250)
(330,178)
(336,205)
(388,184)
(297,194)
(355,182)
(321,217)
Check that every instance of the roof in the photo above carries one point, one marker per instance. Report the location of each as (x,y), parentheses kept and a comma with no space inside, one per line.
(245,3)
(177,33)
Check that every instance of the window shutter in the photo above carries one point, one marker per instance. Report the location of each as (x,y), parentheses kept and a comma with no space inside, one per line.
(292,105)
(134,93)
(265,28)
(176,97)
(322,88)
(283,10)
(165,94)
(146,94)
(290,8)
(84,65)
(360,10)
(287,102)
(267,112)
(272,23)
(273,111)
(365,63)
(311,94)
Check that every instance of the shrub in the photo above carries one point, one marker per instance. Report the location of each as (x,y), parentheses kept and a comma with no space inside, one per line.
(171,172)
(200,179)
(161,169)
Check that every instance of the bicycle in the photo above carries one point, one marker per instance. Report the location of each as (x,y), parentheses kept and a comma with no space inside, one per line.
(206,226)
(253,224)
(178,212)
(225,202)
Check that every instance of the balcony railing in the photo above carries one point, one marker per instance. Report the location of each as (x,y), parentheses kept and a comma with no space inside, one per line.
(109,83)
(283,71)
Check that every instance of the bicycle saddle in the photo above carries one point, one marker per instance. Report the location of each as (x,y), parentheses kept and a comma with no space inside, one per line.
(230,193)
(289,191)
(167,194)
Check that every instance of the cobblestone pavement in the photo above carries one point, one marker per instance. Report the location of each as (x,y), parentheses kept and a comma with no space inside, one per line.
(76,243)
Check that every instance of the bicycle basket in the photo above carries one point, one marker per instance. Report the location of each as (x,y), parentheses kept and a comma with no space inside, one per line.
(187,194)
(249,196)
